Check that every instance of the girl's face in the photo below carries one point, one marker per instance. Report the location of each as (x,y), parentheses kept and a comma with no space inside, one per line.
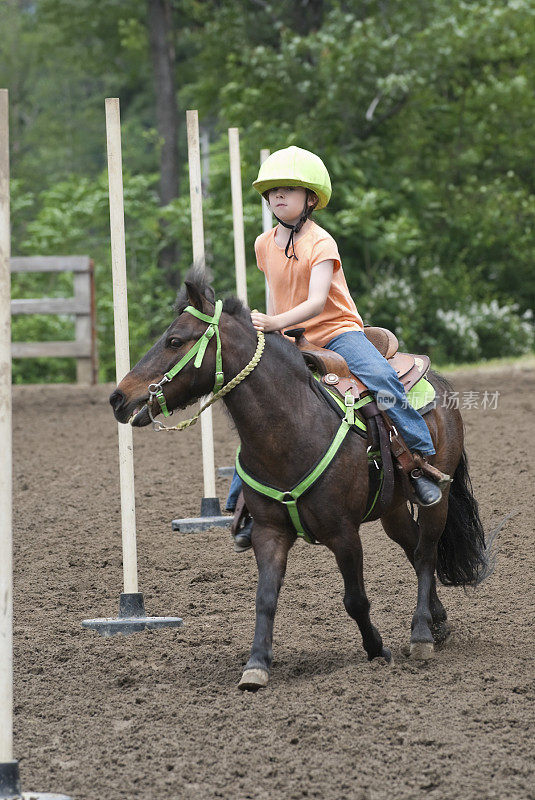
(287,202)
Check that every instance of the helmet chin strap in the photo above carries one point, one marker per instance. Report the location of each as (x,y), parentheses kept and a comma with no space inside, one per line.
(294,229)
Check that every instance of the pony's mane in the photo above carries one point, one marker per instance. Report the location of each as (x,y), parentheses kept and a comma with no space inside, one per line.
(201,279)
(233,305)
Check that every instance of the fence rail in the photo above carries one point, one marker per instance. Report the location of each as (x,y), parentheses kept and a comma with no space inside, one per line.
(82,305)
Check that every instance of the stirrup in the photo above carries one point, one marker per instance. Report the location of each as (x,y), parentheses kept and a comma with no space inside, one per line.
(442,479)
(427,492)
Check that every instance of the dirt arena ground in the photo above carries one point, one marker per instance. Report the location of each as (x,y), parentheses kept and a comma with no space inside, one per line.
(158,715)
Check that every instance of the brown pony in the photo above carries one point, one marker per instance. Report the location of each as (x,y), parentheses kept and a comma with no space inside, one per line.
(285,426)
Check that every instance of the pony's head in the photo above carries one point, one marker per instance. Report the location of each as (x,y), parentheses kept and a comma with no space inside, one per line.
(132,397)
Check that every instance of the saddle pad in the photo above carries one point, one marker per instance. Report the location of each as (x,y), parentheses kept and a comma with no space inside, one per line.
(421,395)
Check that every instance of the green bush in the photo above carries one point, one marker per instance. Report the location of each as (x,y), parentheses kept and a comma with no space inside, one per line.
(433,315)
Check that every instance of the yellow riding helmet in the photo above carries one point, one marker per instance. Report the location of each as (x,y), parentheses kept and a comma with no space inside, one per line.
(294,166)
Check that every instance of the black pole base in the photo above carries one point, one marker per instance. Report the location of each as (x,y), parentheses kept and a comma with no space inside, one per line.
(210,507)
(9,779)
(131,619)
(131,604)
(10,785)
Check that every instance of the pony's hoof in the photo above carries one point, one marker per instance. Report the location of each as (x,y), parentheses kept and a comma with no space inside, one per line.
(442,633)
(384,658)
(253,679)
(422,651)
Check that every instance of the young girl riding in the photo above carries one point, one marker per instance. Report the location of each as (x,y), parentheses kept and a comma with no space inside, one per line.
(307,287)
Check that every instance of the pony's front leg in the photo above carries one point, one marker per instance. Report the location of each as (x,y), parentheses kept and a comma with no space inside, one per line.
(347,548)
(271,548)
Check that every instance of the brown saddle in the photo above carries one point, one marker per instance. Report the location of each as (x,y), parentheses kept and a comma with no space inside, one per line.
(333,368)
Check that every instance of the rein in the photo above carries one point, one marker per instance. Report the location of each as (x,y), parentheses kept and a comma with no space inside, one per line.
(198,350)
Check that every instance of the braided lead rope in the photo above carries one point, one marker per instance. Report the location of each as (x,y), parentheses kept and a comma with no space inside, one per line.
(159,426)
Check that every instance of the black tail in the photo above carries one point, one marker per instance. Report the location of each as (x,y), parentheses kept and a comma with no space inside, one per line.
(463,558)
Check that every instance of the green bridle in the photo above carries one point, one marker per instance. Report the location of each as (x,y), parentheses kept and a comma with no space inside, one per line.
(198,350)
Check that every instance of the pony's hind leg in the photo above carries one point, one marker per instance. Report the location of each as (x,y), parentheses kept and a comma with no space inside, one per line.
(347,548)
(431,524)
(402,528)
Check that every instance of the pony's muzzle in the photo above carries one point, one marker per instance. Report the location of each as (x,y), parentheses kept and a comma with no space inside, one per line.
(117,400)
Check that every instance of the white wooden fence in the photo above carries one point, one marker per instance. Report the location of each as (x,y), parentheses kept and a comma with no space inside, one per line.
(82,305)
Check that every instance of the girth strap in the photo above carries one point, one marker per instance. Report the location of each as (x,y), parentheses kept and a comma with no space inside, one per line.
(290,497)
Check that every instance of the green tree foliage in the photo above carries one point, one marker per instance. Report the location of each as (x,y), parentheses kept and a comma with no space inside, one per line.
(421,111)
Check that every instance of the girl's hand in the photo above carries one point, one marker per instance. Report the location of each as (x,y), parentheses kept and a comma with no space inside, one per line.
(263,322)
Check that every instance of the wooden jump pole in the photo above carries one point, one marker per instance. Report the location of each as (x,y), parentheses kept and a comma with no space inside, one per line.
(122,354)
(9,768)
(267,217)
(6,530)
(210,507)
(237,213)
(132,615)
(199,259)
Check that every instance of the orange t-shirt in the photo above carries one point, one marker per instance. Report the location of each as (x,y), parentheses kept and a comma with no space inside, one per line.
(288,282)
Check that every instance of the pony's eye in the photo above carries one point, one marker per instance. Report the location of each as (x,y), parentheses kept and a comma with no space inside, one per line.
(174,342)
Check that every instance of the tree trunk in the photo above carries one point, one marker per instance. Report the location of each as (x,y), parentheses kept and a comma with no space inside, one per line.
(307,15)
(160,24)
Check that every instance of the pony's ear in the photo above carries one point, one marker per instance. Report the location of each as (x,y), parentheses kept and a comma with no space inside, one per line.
(209,294)
(194,296)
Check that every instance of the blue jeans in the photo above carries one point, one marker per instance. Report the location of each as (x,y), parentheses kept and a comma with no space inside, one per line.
(366,361)
(234,491)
